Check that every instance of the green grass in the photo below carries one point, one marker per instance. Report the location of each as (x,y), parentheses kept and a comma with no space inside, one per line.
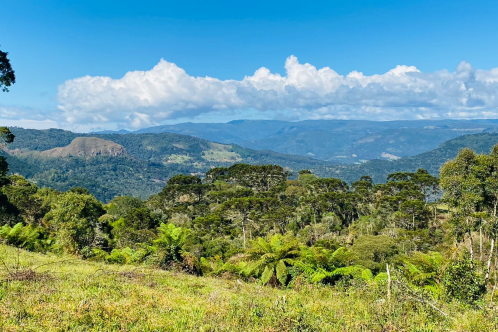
(221,153)
(178,159)
(66,294)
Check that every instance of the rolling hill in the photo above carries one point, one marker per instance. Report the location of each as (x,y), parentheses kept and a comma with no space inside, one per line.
(431,160)
(110,165)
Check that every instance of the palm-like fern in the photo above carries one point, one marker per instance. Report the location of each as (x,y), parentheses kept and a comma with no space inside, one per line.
(172,239)
(272,259)
(28,237)
(322,265)
(357,272)
(423,270)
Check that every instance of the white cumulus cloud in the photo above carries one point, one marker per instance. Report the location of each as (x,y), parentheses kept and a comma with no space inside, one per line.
(144,98)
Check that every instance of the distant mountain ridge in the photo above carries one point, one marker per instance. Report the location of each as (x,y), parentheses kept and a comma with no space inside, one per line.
(338,141)
(430,160)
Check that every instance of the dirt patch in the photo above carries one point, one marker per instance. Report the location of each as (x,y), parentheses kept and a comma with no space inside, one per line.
(131,275)
(27,275)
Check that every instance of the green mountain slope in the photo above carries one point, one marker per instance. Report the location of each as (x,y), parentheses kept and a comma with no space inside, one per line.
(145,162)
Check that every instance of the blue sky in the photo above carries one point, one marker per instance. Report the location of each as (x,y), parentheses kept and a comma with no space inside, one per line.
(54,43)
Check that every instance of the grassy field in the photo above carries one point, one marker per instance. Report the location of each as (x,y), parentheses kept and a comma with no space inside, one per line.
(53,293)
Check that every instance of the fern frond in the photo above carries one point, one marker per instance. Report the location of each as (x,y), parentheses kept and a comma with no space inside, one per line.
(282,272)
(267,274)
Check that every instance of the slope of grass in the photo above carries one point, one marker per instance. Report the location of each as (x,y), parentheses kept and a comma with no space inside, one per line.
(51,293)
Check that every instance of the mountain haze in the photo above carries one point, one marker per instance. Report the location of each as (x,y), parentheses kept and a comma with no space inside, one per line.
(343,141)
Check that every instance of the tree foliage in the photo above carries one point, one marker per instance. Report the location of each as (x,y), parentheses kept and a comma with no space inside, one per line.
(7,74)
(271,259)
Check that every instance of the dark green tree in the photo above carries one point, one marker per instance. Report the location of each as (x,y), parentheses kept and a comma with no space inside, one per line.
(22,194)
(243,212)
(136,227)
(73,219)
(463,191)
(7,75)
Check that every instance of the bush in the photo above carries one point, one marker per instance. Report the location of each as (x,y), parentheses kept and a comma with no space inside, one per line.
(462,282)
(374,251)
(27,237)
(125,255)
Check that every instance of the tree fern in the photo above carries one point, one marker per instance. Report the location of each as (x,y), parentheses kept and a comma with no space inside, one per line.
(355,272)
(171,239)
(422,269)
(380,277)
(272,258)
(28,237)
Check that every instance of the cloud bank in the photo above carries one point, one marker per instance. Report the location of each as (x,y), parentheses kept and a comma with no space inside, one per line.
(144,98)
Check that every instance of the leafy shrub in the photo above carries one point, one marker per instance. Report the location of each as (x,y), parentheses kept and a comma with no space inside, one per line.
(125,255)
(28,237)
(462,281)
(374,251)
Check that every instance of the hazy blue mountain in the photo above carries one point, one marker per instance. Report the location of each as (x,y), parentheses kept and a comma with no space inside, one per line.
(430,160)
(345,141)
(122,132)
(232,132)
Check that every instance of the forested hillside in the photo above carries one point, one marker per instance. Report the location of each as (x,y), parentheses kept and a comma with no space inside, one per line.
(137,165)
(412,249)
(431,160)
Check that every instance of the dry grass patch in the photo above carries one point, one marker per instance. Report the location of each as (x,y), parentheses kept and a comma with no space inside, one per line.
(27,275)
